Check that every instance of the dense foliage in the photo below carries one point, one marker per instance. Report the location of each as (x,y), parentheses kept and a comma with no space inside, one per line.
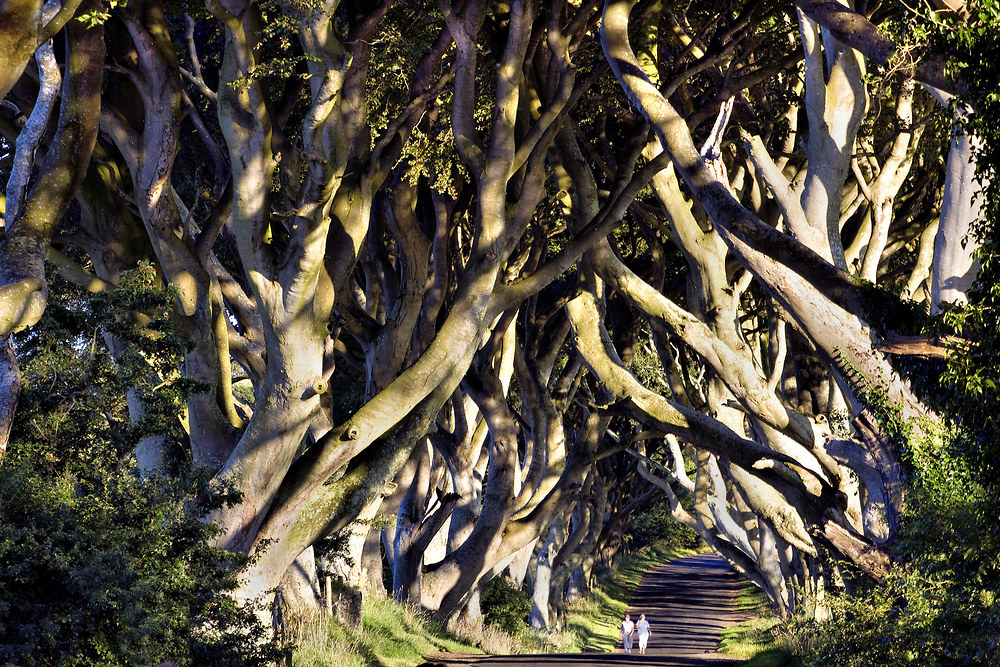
(504,606)
(97,564)
(654,525)
(938,605)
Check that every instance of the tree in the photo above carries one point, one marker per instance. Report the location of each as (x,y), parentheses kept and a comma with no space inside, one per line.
(935,608)
(422,252)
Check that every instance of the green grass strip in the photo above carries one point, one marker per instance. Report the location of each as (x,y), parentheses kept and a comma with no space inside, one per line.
(754,639)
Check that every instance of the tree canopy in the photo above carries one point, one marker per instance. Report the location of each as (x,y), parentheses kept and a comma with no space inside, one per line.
(505,273)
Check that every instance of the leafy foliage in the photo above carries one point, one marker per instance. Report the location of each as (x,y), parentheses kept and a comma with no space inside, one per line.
(99,565)
(503,605)
(279,36)
(655,526)
(937,607)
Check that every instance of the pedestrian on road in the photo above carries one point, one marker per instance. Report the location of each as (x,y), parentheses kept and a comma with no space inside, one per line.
(643,631)
(625,631)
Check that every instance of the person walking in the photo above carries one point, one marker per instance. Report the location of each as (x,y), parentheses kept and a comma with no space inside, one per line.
(625,631)
(643,632)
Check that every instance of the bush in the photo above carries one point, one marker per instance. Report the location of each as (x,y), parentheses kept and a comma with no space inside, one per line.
(115,574)
(938,606)
(99,565)
(504,606)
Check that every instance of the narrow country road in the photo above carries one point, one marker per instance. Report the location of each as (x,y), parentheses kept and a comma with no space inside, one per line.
(687,603)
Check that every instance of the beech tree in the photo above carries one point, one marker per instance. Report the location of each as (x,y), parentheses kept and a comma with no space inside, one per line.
(501,273)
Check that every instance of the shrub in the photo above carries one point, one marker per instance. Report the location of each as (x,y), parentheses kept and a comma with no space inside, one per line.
(504,606)
(938,606)
(118,573)
(98,564)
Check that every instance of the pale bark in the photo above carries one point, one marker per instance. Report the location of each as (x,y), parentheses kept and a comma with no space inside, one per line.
(793,288)
(24,26)
(919,283)
(414,529)
(375,432)
(448,583)
(542,584)
(857,32)
(356,574)
(955,268)
(546,443)
(652,408)
(38,204)
(300,587)
(149,156)
(590,515)
(790,272)
(872,459)
(517,571)
(773,570)
(883,190)
(586,523)
(835,101)
(298,298)
(30,137)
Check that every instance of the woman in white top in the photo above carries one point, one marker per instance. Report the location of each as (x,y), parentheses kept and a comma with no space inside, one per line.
(625,631)
(642,629)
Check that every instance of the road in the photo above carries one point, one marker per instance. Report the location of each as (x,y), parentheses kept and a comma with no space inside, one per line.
(687,603)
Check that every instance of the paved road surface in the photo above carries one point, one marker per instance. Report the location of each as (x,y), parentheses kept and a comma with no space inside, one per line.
(687,603)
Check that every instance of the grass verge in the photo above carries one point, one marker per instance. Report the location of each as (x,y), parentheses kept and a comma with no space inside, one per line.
(392,635)
(395,634)
(754,639)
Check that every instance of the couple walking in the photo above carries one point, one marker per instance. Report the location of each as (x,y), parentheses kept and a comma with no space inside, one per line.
(641,629)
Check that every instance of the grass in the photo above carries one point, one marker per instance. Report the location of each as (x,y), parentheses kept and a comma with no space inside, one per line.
(594,619)
(754,640)
(396,634)
(392,635)
(400,635)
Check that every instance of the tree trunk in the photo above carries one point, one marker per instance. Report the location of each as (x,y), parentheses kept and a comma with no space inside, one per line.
(542,589)
(955,269)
